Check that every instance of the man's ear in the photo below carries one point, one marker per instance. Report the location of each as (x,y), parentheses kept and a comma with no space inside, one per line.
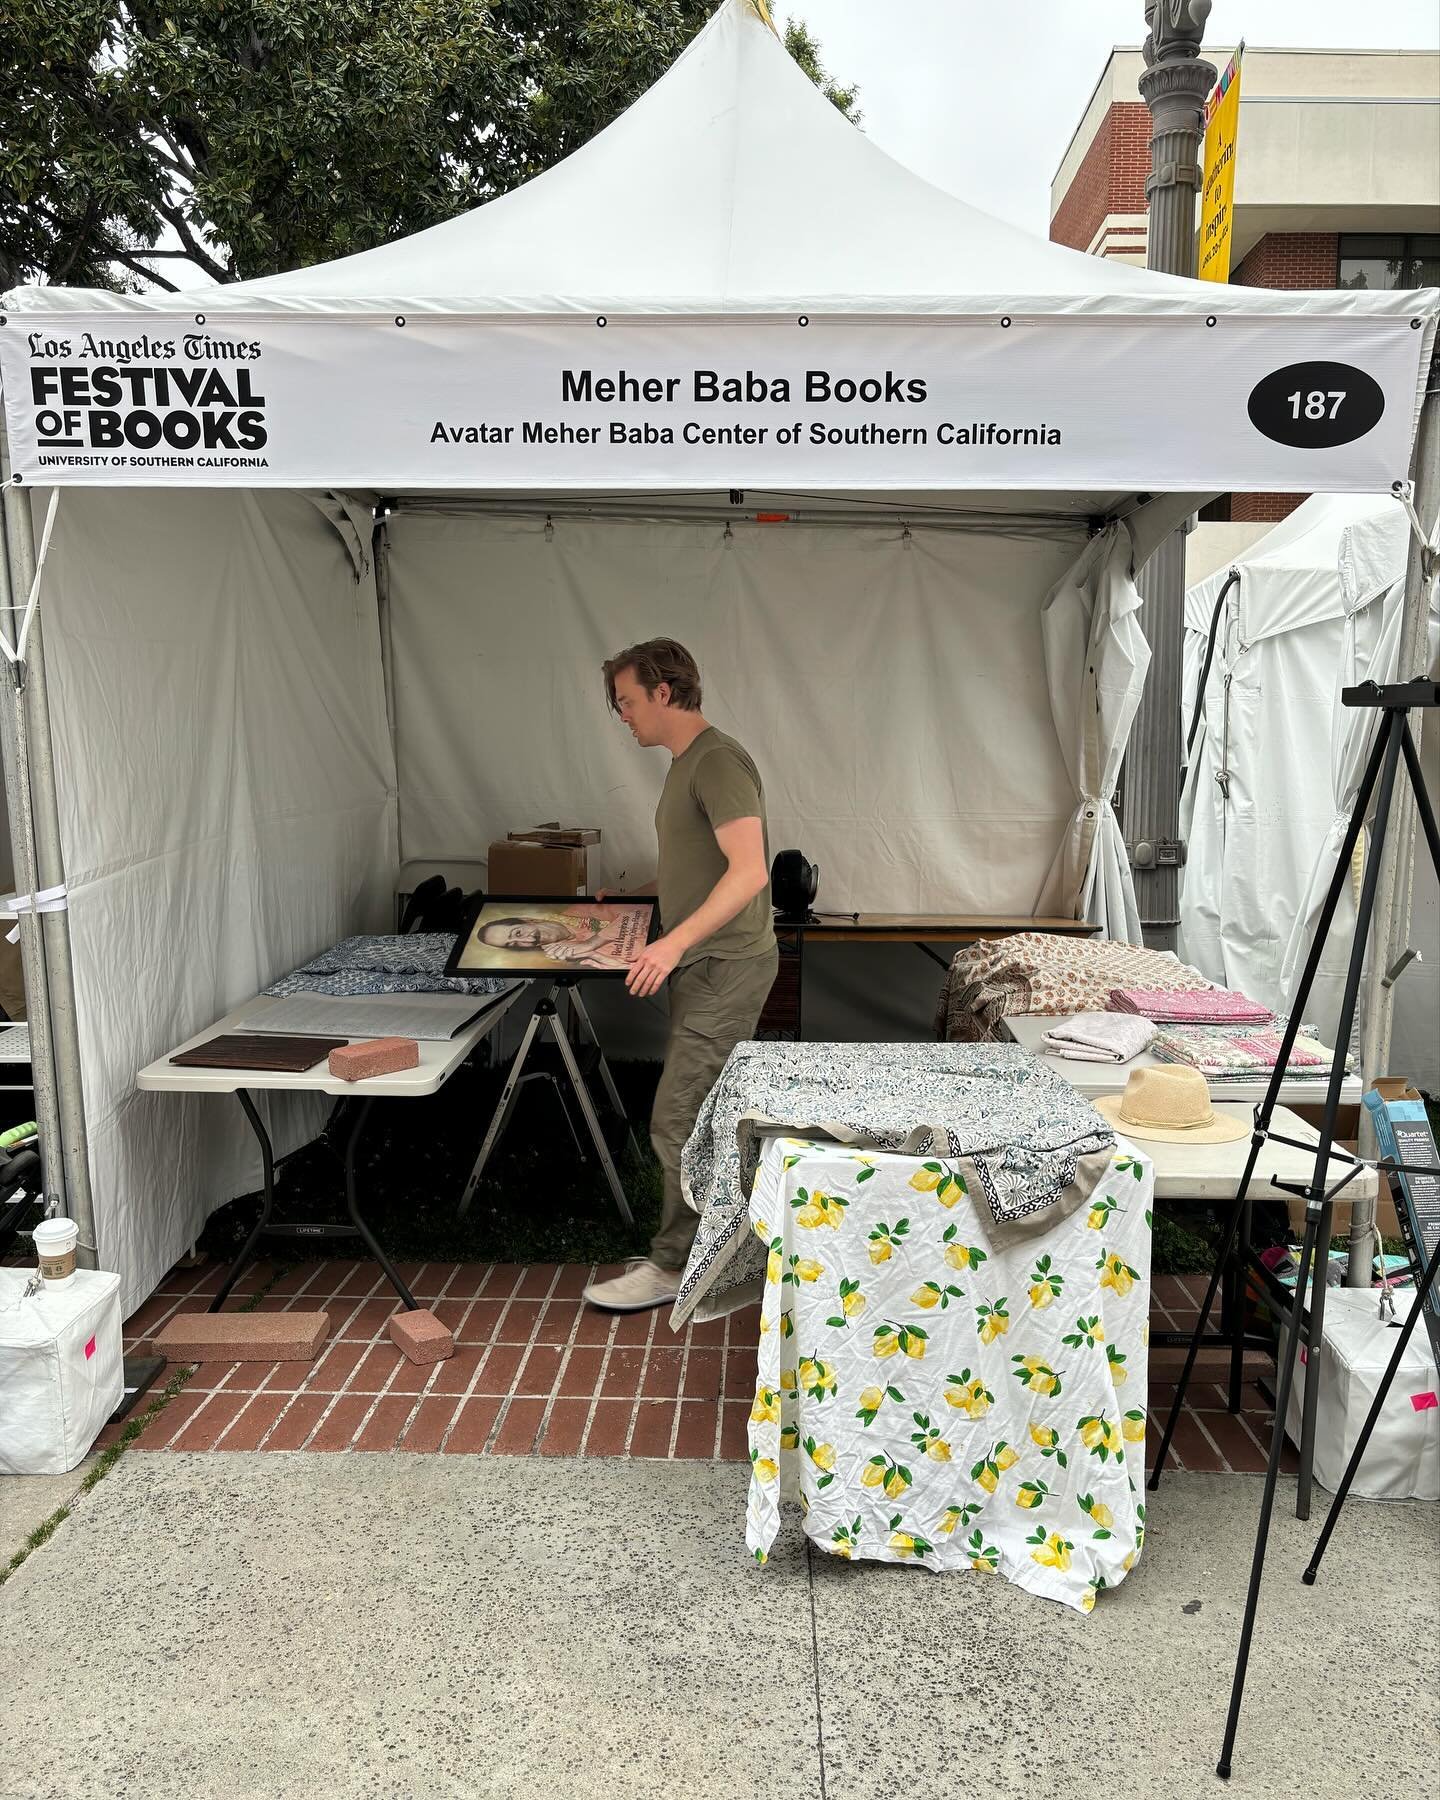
(662,692)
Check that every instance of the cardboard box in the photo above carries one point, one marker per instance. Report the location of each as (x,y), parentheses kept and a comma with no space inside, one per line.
(538,869)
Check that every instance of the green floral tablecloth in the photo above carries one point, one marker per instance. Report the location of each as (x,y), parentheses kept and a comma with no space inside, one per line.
(936,1391)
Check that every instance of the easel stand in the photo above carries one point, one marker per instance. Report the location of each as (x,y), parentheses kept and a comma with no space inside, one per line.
(1393,741)
(545,1020)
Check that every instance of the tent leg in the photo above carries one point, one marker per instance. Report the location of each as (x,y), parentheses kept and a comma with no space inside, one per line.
(38,798)
(1397,868)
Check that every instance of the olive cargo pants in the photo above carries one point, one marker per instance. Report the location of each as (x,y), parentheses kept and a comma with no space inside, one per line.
(715,1003)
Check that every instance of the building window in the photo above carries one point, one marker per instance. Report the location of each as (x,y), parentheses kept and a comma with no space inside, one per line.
(1389,261)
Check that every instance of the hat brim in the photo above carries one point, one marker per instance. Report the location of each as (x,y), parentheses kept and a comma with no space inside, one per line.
(1221,1130)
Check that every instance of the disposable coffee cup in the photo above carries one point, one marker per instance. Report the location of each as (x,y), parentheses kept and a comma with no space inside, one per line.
(55,1243)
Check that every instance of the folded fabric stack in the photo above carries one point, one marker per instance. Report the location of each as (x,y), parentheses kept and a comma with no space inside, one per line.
(413,964)
(1224,1054)
(1098,1037)
(1203,1006)
(1036,973)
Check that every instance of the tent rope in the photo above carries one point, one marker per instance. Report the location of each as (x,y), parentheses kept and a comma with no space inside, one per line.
(15,653)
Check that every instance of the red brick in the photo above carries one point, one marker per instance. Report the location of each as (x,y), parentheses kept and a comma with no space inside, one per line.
(360,1279)
(171,1419)
(467,1282)
(741,1368)
(415,1378)
(623,1371)
(565,1428)
(661,1380)
(536,1282)
(708,1333)
(702,1375)
(372,1057)
(419,1336)
(243,1337)
(743,1327)
(428,1428)
(149,1317)
(1245,1453)
(582,1370)
(433,1281)
(366,1319)
(573,1280)
(519,1428)
(210,1375)
(734,1434)
(482,1323)
(1189,1448)
(372,1373)
(385,1424)
(457,1372)
(595,1326)
(473,1425)
(452,1314)
(654,1421)
(609,1428)
(558,1322)
(498,1371)
(338,1428)
(209,1423)
(696,1436)
(252,1424)
(634,1327)
(502,1279)
(541,1370)
(335,1368)
(519,1322)
(295,1280)
(297,1422)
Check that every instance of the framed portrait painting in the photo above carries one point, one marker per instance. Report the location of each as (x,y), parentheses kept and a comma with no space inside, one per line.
(522,935)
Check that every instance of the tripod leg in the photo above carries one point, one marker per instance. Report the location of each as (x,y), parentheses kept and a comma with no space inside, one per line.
(605,1076)
(1389,742)
(1422,1295)
(1422,796)
(1289,1346)
(501,1114)
(587,1106)
(1240,1264)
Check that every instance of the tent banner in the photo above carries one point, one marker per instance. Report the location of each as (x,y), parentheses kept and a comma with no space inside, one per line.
(1217,206)
(1292,404)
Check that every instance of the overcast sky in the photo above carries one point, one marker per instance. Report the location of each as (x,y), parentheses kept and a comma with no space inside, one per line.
(982,96)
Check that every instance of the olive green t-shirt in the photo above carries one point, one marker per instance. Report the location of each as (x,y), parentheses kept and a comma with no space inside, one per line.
(712,784)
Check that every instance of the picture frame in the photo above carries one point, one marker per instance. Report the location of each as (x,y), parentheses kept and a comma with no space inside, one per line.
(547,936)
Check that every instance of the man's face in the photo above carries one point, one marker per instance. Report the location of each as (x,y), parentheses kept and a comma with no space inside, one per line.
(524,936)
(642,712)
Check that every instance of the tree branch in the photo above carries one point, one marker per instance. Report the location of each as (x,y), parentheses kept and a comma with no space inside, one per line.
(199,255)
(139,268)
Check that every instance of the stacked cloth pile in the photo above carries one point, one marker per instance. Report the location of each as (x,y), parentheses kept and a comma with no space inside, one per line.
(1205,1006)
(1056,976)
(1024,1138)
(414,964)
(1234,1053)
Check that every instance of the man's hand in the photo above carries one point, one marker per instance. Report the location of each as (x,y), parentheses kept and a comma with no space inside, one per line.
(603,894)
(650,968)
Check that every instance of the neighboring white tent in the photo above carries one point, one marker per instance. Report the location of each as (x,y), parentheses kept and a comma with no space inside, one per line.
(936,655)
(1272,775)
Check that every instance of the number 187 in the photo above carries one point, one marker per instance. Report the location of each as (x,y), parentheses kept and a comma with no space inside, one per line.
(1313,404)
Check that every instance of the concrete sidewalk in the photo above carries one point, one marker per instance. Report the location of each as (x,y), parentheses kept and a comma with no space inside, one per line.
(272,1625)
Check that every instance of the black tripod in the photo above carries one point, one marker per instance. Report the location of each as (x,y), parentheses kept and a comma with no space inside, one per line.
(1393,740)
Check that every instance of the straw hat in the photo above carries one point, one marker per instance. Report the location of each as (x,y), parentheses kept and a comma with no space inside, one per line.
(1172,1104)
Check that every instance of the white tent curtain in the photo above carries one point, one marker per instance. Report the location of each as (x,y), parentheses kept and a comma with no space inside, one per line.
(227,809)
(1370,652)
(1096,659)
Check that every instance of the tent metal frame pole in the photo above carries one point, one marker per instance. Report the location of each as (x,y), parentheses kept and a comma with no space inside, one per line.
(38,799)
(380,561)
(1397,868)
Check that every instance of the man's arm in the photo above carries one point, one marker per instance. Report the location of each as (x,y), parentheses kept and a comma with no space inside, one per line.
(742,843)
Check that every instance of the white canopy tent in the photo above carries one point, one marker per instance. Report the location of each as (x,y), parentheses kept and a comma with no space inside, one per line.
(1314,607)
(579,409)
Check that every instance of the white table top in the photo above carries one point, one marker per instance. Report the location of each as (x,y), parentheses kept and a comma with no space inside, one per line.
(438,1060)
(1213,1171)
(1092,1078)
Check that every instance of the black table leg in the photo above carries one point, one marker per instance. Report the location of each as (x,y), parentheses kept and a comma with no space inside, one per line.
(267,1158)
(351,1143)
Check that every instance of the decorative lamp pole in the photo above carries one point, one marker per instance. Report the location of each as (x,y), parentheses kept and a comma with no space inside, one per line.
(1174,85)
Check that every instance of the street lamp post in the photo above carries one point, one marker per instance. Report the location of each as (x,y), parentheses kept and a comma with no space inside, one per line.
(1174,85)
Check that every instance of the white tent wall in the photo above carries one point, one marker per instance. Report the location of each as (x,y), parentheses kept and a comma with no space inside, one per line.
(890,682)
(227,808)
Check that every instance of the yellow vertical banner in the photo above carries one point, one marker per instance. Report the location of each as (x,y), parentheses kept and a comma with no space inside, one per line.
(1217,208)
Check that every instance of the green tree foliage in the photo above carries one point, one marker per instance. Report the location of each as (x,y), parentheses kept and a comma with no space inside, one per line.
(250,136)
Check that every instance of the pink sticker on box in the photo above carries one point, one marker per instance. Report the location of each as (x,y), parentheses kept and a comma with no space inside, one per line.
(90,1349)
(1423,1402)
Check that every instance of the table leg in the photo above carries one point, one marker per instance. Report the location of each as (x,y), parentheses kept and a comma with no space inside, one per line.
(351,1144)
(1309,1412)
(267,1161)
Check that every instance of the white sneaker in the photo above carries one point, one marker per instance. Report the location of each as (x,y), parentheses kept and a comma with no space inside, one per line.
(644,1284)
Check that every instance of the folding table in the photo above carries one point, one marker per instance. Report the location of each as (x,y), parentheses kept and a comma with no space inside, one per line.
(438,1062)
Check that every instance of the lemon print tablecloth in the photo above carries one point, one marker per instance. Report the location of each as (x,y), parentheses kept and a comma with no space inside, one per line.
(935,1389)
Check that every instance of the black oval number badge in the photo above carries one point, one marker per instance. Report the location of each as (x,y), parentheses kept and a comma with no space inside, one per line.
(1316,405)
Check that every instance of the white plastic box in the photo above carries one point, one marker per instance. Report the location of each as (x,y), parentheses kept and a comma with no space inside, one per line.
(1402,1459)
(61,1373)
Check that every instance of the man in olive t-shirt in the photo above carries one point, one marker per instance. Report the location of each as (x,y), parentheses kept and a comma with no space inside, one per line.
(718,944)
